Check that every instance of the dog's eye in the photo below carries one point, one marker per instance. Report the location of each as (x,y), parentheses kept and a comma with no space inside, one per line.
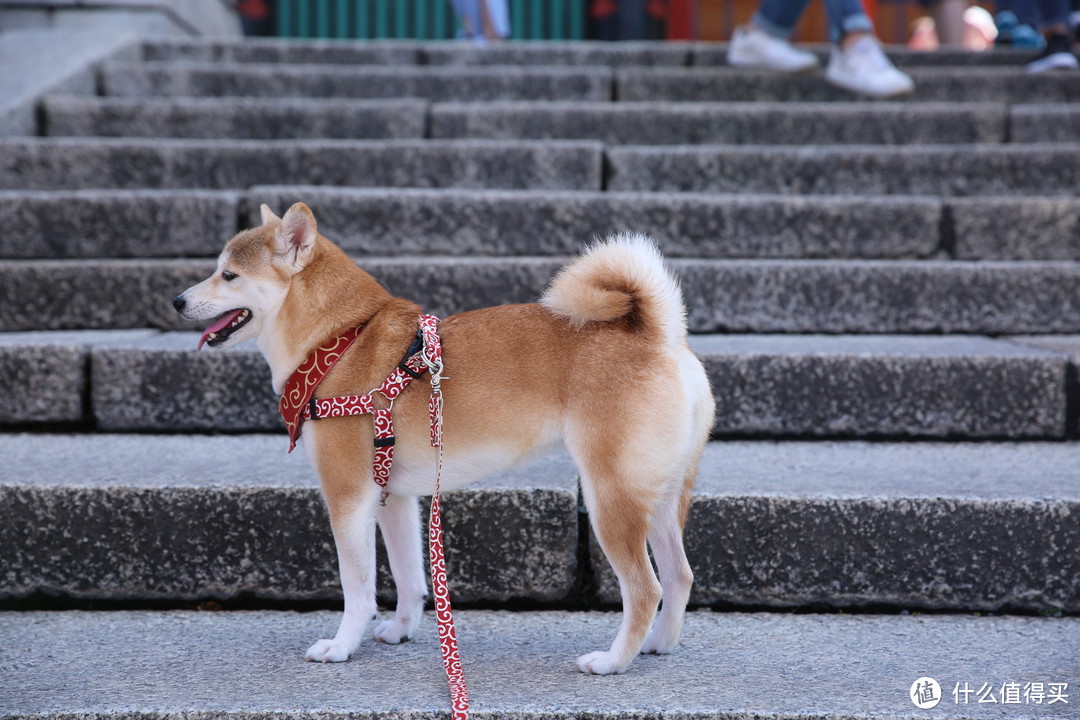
(228,276)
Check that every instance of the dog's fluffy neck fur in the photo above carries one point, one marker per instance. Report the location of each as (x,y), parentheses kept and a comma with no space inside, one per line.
(343,297)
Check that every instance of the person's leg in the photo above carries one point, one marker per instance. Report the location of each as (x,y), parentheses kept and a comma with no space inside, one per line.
(779,17)
(1054,15)
(949,21)
(469,13)
(1058,54)
(764,42)
(497,15)
(847,21)
(857,62)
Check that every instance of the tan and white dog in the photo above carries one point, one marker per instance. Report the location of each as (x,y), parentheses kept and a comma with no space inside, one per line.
(600,363)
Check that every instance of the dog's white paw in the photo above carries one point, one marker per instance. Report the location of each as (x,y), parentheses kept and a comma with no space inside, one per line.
(601,663)
(393,632)
(328,651)
(659,643)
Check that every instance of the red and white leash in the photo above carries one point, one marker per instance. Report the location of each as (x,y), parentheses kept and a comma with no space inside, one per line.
(297,404)
(444,614)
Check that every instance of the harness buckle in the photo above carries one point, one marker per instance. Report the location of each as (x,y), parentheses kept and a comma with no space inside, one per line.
(385,442)
(313,409)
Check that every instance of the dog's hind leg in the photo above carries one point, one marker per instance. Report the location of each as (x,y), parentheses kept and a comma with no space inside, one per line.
(676,577)
(399,521)
(669,521)
(620,521)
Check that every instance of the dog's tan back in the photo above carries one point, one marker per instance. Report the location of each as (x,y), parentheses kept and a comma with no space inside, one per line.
(601,363)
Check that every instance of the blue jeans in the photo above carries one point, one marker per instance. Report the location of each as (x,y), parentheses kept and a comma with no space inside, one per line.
(1036,13)
(779,17)
(471,11)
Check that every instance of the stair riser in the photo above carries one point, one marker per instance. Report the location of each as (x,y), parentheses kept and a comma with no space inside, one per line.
(758,393)
(930,554)
(238,119)
(1005,171)
(246,80)
(174,164)
(731,296)
(938,84)
(84,224)
(187,544)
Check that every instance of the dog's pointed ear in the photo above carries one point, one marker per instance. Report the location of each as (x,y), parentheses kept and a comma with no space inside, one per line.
(295,238)
(268,215)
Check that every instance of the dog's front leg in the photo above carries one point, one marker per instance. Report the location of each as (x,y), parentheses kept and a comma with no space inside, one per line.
(399,521)
(354,534)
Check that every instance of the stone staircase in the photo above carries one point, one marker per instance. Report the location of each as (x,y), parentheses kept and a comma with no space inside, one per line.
(886,297)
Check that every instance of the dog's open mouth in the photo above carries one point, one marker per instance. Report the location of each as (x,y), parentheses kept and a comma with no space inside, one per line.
(222,328)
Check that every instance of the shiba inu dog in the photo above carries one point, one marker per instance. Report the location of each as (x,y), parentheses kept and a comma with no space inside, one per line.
(601,363)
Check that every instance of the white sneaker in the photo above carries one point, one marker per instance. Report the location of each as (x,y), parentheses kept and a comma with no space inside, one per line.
(864,69)
(754,48)
(1058,55)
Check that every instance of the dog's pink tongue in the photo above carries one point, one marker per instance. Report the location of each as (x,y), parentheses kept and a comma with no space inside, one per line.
(222,322)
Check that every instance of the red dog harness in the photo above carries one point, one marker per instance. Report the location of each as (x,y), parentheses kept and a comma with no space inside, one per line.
(298,404)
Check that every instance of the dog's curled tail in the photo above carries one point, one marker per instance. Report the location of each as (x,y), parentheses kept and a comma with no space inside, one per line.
(621,277)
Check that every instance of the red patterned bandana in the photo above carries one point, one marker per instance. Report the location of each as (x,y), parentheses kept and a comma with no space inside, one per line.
(301,384)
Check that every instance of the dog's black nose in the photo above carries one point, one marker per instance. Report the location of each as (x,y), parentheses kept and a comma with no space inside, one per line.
(179,302)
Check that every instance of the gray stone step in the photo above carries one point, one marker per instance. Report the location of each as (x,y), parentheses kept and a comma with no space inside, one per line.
(426,222)
(1015,228)
(185,518)
(248,665)
(713,55)
(1044,123)
(246,118)
(946,84)
(388,222)
(765,386)
(1047,169)
(280,50)
(441,54)
(909,524)
(773,296)
(115,223)
(122,517)
(358,81)
(635,123)
(761,123)
(56,164)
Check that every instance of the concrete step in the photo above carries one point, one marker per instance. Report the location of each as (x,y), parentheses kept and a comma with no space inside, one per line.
(714,55)
(427,222)
(186,518)
(247,665)
(1044,123)
(116,223)
(389,222)
(765,386)
(735,123)
(142,518)
(773,296)
(441,54)
(57,164)
(279,50)
(944,84)
(1049,169)
(356,81)
(635,123)
(246,118)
